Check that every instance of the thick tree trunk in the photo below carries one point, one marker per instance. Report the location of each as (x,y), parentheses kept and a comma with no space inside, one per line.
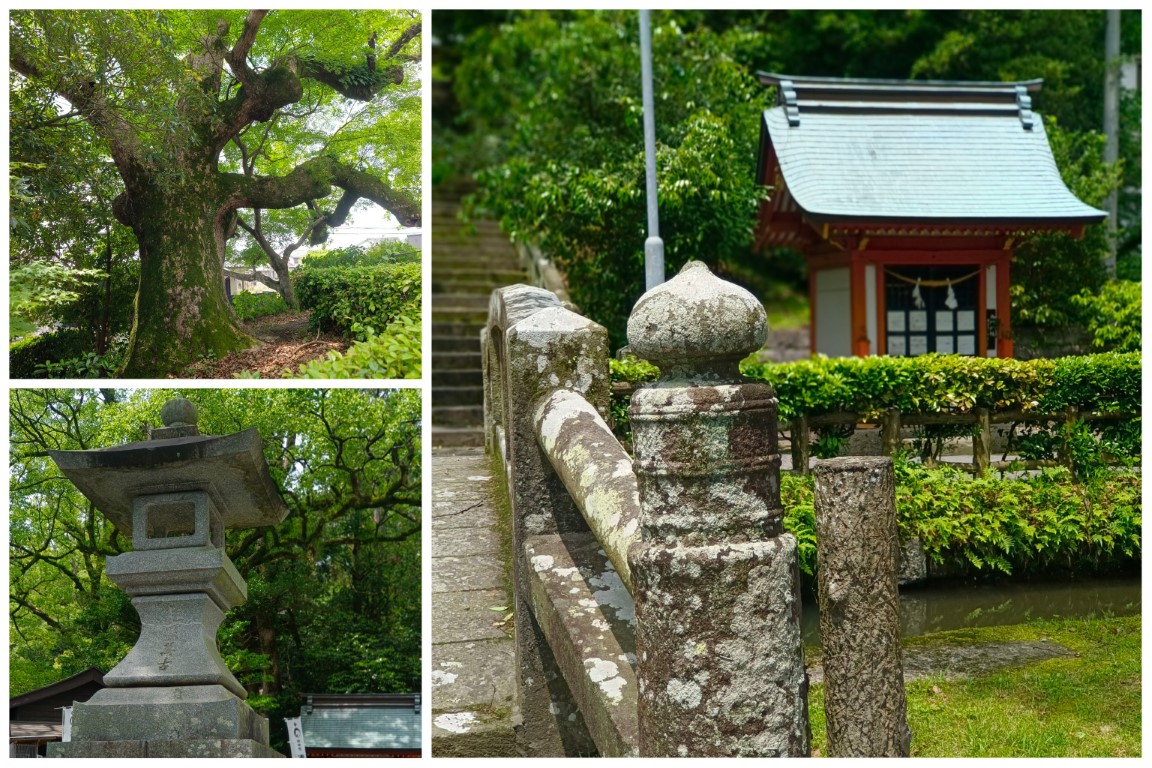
(858,551)
(181,312)
(284,283)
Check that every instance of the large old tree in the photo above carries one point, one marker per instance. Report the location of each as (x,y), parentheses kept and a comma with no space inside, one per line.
(171,95)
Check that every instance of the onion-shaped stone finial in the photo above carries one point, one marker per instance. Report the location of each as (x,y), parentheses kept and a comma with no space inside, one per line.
(179,412)
(697,324)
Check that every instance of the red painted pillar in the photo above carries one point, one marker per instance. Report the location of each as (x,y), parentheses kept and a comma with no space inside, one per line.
(861,346)
(1004,344)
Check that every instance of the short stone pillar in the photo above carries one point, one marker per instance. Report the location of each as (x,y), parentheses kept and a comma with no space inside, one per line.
(720,664)
(174,495)
(858,550)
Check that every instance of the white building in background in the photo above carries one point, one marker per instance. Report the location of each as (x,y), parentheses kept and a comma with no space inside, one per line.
(234,286)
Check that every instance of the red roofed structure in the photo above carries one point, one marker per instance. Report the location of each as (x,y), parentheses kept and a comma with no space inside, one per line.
(908,198)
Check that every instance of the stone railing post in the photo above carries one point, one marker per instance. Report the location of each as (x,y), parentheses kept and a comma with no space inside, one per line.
(858,549)
(720,664)
(545,347)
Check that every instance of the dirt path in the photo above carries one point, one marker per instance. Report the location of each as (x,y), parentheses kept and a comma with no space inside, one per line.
(287,344)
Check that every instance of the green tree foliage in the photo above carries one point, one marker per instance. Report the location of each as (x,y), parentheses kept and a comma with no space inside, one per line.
(61,220)
(334,590)
(1050,268)
(1113,316)
(168,101)
(574,175)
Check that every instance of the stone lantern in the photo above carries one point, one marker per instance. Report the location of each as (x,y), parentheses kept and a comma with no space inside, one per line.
(174,495)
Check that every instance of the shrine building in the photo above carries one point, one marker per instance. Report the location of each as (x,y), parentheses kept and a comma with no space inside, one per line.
(907,198)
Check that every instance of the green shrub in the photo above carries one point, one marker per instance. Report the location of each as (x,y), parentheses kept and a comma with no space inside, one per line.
(350,300)
(939,383)
(250,306)
(1113,316)
(393,354)
(26,358)
(1032,525)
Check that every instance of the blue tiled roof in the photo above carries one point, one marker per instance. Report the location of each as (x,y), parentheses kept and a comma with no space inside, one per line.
(873,153)
(367,724)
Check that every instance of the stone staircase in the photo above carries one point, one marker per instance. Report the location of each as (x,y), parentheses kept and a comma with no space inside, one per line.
(469,261)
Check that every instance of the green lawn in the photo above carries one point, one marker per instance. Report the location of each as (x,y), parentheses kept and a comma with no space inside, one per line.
(1088,706)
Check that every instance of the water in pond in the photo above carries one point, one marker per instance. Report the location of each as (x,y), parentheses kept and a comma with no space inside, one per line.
(936,607)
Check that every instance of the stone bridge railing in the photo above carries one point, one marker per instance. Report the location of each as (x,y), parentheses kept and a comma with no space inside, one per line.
(657,597)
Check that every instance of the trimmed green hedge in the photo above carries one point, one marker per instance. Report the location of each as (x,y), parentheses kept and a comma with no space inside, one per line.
(1034,525)
(938,383)
(359,300)
(25,356)
(952,384)
(385,252)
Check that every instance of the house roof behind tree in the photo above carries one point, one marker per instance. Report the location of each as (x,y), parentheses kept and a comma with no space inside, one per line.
(888,151)
(361,722)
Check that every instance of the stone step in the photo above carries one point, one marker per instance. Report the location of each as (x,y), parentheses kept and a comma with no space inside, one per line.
(457,396)
(457,360)
(463,317)
(496,277)
(456,233)
(444,343)
(470,262)
(458,415)
(449,284)
(457,437)
(453,227)
(470,330)
(471,302)
(457,378)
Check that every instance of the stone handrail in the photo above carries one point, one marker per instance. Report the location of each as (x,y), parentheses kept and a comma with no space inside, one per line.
(596,470)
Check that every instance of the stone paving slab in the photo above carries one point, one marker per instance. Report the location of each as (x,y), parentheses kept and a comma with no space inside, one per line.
(473,658)
(459,682)
(474,541)
(458,617)
(465,574)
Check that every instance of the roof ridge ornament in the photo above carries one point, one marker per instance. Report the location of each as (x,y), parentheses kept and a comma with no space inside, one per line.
(1024,103)
(787,95)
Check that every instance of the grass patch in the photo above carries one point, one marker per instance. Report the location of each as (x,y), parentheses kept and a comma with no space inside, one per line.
(1087,706)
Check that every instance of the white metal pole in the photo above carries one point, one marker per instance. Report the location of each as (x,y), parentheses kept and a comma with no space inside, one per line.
(1112,125)
(653,246)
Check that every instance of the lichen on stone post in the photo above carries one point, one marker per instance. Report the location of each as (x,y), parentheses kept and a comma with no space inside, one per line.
(858,547)
(720,660)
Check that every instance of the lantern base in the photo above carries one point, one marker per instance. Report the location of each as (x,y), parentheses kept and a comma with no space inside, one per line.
(191,713)
(160,749)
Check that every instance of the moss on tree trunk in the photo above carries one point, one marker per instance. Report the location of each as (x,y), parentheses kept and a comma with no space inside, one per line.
(182,313)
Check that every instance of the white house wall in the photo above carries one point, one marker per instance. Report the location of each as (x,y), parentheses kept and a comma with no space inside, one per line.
(834,312)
